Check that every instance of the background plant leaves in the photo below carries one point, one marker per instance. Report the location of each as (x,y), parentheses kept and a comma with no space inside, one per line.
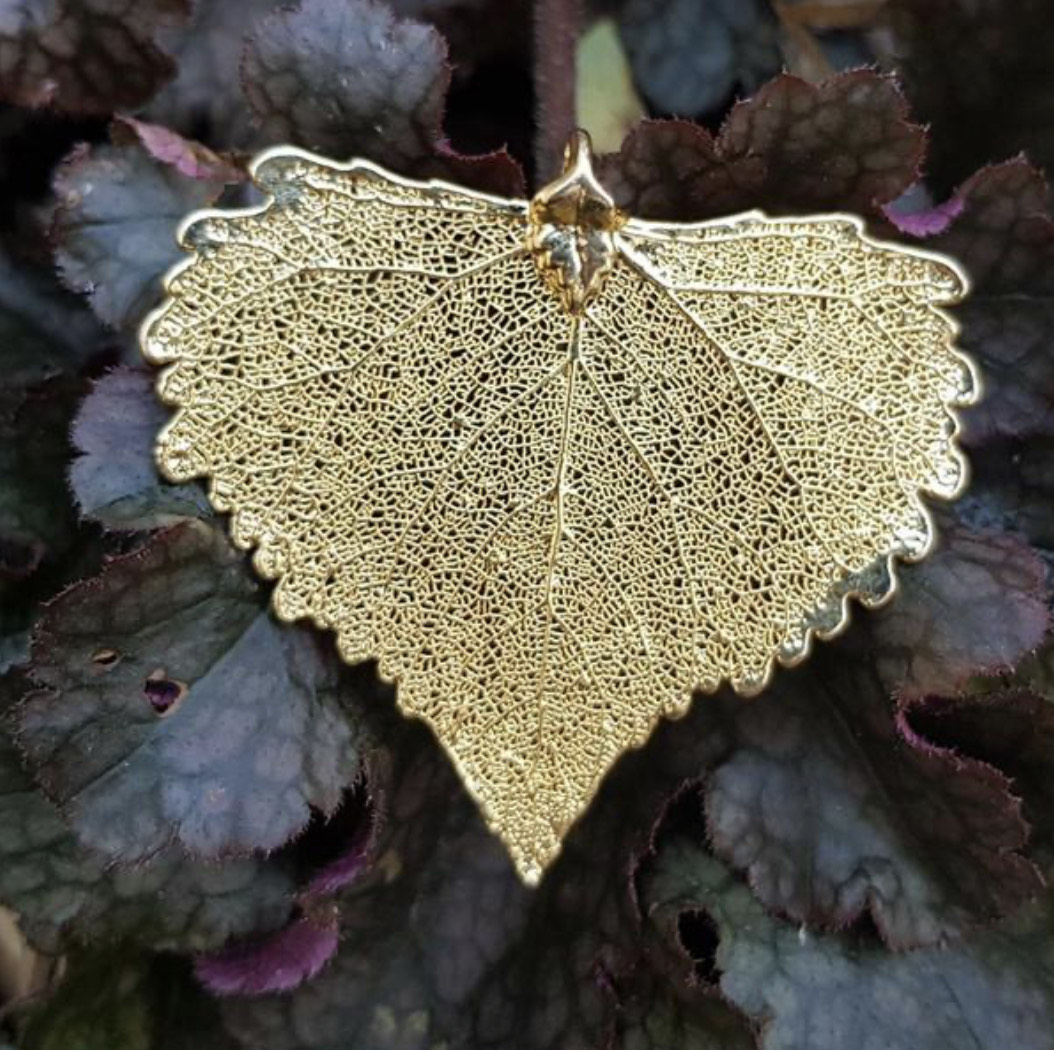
(175,709)
(68,895)
(352,80)
(792,148)
(829,991)
(205,100)
(117,209)
(113,476)
(1003,235)
(84,56)
(690,56)
(976,605)
(908,816)
(833,810)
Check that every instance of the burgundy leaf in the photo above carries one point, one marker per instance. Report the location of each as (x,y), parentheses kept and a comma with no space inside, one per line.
(830,991)
(113,477)
(975,606)
(793,147)
(834,807)
(84,56)
(216,728)
(1004,238)
(66,895)
(205,100)
(1013,485)
(1012,730)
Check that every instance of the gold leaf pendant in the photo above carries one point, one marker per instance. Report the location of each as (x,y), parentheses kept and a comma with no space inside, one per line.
(554,467)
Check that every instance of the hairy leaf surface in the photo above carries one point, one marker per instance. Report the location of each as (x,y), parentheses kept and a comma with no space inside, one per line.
(1003,233)
(834,807)
(352,79)
(977,606)
(792,148)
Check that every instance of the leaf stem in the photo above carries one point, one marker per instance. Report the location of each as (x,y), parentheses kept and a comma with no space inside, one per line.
(557,24)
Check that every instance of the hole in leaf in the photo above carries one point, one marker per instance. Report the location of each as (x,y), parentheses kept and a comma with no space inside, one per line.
(105,658)
(698,935)
(19,559)
(863,932)
(164,693)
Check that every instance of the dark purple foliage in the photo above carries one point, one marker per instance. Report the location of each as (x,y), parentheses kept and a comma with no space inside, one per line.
(195,799)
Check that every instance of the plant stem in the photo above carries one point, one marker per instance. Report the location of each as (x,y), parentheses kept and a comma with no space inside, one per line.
(557,24)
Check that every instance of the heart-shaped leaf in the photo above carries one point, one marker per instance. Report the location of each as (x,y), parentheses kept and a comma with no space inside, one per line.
(553,518)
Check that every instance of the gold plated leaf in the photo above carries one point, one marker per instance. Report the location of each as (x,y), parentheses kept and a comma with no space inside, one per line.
(553,467)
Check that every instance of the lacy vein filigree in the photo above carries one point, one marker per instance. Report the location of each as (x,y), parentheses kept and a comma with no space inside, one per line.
(553,467)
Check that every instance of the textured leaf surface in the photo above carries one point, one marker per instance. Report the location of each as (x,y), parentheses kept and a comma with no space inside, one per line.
(461,492)
(84,56)
(458,954)
(1003,234)
(834,808)
(175,709)
(792,148)
(976,606)
(205,99)
(114,477)
(830,991)
(439,945)
(118,1000)
(350,79)
(117,207)
(67,895)
(419,931)
(690,56)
